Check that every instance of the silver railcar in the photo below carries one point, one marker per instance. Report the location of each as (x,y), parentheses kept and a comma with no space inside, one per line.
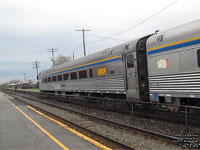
(163,67)
(121,70)
(174,65)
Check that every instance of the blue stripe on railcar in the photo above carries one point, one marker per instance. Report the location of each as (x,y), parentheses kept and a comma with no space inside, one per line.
(174,47)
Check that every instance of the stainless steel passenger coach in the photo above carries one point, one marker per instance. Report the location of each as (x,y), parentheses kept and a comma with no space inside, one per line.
(161,67)
(109,72)
(174,65)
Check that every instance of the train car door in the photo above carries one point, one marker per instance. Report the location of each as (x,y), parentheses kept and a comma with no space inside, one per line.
(131,84)
(142,72)
(136,72)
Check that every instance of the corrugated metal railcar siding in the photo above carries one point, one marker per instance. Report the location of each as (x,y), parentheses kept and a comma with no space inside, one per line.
(105,84)
(177,83)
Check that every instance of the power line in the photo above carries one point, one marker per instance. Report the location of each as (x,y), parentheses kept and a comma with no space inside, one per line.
(83,30)
(145,20)
(36,65)
(97,36)
(105,38)
(110,37)
(45,67)
(77,48)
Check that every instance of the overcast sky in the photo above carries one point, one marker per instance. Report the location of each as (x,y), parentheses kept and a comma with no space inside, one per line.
(29,27)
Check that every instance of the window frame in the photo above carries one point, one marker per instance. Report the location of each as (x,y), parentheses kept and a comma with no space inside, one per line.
(58,77)
(90,73)
(75,74)
(112,72)
(82,74)
(54,77)
(127,64)
(64,79)
(49,80)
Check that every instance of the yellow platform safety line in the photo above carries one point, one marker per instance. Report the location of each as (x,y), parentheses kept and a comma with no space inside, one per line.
(83,65)
(72,130)
(41,128)
(171,44)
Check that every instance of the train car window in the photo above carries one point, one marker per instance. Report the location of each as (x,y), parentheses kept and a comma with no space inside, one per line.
(90,73)
(66,76)
(73,75)
(45,80)
(112,72)
(198,57)
(49,79)
(54,78)
(83,74)
(59,77)
(130,61)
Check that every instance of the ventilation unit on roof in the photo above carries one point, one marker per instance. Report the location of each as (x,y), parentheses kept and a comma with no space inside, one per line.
(159,38)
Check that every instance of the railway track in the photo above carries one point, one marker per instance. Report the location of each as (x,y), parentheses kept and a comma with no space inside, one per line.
(146,133)
(178,118)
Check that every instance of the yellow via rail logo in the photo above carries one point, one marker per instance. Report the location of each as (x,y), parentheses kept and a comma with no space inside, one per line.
(101,71)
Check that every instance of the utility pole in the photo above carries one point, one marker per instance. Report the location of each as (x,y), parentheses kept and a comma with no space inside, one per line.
(53,50)
(83,30)
(24,76)
(36,65)
(73,55)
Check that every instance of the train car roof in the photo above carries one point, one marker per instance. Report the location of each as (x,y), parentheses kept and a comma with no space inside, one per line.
(106,53)
(175,34)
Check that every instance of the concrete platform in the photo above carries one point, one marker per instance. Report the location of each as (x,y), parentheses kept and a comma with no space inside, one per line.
(17,131)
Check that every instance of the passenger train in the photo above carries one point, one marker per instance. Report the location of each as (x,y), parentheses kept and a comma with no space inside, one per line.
(163,67)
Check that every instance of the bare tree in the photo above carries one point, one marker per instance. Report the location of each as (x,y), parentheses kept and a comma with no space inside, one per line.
(62,59)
